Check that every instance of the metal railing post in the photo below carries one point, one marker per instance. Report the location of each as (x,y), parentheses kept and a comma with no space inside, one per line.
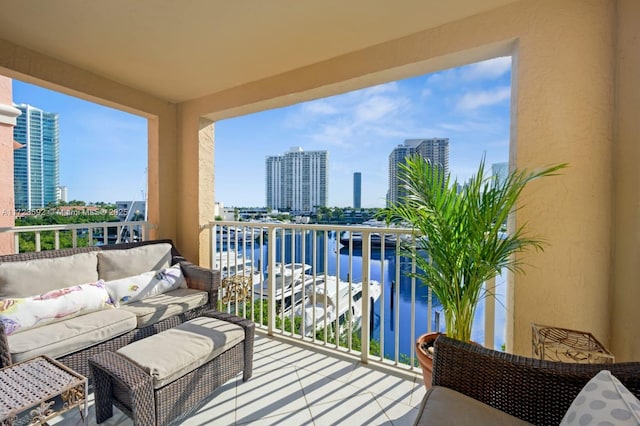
(490,313)
(271,280)
(366,305)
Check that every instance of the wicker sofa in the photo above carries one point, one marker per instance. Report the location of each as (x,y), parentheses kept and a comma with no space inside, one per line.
(67,341)
(474,385)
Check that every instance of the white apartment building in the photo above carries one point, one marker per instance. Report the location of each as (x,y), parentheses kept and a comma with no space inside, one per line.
(434,149)
(297,181)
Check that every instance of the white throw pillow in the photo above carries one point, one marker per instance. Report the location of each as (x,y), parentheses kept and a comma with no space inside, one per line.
(603,401)
(19,314)
(147,284)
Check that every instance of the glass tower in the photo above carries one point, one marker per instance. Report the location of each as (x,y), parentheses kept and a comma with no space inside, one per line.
(37,163)
(357,190)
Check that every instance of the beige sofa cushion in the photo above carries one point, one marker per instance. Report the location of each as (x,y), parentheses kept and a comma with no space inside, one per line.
(169,355)
(443,406)
(71,335)
(116,264)
(156,308)
(31,277)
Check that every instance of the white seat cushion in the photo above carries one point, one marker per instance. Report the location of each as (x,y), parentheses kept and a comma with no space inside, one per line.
(169,355)
(156,308)
(71,335)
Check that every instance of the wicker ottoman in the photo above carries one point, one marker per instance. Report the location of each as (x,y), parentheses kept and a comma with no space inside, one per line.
(164,377)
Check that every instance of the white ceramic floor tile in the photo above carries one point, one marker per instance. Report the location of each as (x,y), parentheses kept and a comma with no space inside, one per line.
(335,368)
(218,409)
(267,393)
(301,418)
(362,409)
(320,389)
(400,414)
(296,385)
(261,362)
(382,383)
(418,393)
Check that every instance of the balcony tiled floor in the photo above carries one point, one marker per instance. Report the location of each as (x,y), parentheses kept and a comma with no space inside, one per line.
(295,385)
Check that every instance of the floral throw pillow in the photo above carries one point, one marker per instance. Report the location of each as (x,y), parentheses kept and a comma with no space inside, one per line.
(19,314)
(147,284)
(603,401)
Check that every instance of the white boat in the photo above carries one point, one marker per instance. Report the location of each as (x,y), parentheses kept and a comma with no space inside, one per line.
(240,235)
(230,264)
(355,239)
(331,299)
(290,279)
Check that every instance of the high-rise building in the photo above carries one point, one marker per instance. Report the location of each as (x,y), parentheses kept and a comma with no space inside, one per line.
(297,181)
(501,171)
(357,190)
(37,164)
(61,194)
(436,150)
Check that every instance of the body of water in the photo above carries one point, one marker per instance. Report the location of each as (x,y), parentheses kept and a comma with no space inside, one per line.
(392,311)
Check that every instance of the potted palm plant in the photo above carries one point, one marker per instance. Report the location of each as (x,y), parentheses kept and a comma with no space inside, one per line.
(462,240)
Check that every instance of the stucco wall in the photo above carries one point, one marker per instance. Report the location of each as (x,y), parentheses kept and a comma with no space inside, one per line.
(626,251)
(7,217)
(562,111)
(32,67)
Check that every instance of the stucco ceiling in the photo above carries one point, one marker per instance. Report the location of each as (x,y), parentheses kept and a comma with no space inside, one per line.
(181,50)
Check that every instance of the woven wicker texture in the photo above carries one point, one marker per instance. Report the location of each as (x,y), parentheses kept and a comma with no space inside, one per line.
(539,392)
(119,382)
(196,277)
(27,383)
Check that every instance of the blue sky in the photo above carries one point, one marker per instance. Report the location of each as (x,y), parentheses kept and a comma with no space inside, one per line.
(103,152)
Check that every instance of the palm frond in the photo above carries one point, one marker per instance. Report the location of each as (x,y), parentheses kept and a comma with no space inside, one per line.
(461,232)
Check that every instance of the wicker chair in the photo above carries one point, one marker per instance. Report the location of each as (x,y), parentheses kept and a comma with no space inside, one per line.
(538,392)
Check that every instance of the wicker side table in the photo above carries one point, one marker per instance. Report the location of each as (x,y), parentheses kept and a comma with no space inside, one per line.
(564,345)
(42,387)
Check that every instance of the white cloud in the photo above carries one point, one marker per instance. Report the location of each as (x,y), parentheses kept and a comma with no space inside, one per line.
(391,87)
(426,92)
(481,98)
(377,107)
(490,69)
(320,107)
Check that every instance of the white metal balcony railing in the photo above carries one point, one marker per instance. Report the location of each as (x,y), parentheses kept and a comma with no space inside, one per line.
(378,326)
(84,234)
(275,296)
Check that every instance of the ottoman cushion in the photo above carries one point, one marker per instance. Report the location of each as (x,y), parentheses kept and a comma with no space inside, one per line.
(169,355)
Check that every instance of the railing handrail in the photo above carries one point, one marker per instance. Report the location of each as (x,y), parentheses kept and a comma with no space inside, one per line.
(73,228)
(310,226)
(70,226)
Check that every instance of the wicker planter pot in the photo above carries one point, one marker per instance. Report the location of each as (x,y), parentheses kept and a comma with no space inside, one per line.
(425,358)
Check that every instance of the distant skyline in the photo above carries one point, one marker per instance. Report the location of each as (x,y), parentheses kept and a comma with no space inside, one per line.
(470,105)
(103,152)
